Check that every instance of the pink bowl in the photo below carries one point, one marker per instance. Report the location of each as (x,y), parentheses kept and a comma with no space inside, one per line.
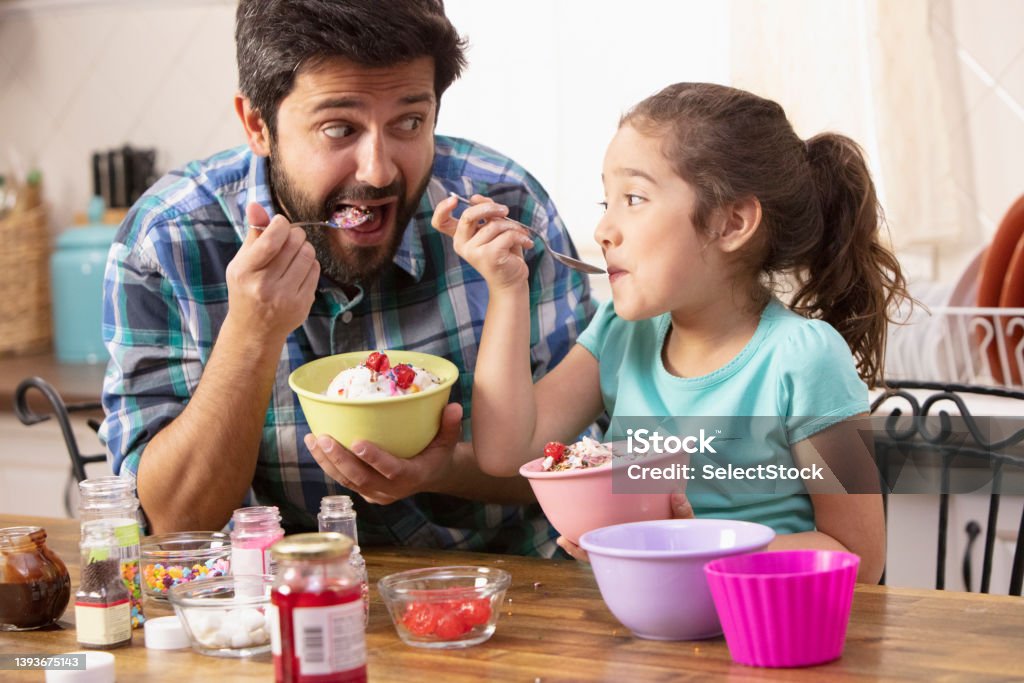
(576,501)
(784,609)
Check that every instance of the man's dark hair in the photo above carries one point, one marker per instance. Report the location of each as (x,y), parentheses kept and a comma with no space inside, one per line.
(276,39)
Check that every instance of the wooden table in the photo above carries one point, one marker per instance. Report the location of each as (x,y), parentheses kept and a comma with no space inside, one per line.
(555,627)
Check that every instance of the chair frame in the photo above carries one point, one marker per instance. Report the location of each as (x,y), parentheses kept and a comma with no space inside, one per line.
(919,437)
(61,411)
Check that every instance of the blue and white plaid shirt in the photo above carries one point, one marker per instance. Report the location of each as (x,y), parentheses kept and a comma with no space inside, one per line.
(165,299)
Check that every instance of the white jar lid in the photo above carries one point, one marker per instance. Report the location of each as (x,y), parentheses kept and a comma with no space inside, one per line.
(165,633)
(99,668)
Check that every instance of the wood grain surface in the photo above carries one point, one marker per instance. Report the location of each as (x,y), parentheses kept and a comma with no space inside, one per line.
(555,627)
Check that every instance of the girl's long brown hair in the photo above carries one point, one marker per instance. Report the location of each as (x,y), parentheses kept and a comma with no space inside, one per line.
(821,220)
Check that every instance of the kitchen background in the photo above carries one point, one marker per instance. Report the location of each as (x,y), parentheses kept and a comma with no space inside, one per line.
(933,89)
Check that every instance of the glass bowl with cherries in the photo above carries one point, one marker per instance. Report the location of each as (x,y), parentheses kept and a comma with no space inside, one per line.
(445,607)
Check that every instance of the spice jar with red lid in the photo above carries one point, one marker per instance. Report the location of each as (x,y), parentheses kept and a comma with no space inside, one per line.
(34,582)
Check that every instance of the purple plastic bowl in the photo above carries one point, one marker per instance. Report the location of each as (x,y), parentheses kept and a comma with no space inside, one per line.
(651,574)
(784,609)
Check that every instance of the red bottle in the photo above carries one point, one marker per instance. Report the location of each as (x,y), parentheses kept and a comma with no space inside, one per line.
(318,632)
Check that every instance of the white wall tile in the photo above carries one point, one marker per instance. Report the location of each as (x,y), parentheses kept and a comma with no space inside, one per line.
(990,30)
(65,49)
(66,163)
(1012,80)
(972,87)
(16,34)
(23,113)
(997,140)
(86,78)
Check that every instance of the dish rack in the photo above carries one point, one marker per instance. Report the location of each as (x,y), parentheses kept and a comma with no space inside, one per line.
(959,345)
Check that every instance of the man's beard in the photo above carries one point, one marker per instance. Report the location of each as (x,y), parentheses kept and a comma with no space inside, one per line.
(345,264)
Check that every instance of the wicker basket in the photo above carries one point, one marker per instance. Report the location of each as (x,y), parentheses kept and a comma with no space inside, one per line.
(25,322)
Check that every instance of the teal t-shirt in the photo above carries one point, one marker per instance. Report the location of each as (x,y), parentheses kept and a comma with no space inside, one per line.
(794,378)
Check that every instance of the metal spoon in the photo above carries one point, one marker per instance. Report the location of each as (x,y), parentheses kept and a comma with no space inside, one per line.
(321,224)
(364,215)
(573,263)
(316,224)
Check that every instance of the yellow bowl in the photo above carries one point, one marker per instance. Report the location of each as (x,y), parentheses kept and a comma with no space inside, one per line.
(401,425)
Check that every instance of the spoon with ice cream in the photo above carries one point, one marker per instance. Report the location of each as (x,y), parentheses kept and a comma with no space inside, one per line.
(347,218)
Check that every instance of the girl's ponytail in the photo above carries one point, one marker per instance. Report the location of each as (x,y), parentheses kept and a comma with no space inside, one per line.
(851,280)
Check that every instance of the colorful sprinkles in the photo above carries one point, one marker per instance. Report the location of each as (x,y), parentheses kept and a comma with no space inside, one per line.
(130,576)
(160,578)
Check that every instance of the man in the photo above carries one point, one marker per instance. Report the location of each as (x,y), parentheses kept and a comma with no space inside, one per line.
(205,316)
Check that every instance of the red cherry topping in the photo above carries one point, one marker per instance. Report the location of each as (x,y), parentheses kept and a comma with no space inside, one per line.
(404,376)
(378,362)
(450,626)
(447,619)
(554,450)
(420,618)
(475,612)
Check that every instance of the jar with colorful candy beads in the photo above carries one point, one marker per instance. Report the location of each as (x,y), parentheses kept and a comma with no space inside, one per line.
(34,583)
(337,514)
(113,499)
(318,633)
(181,557)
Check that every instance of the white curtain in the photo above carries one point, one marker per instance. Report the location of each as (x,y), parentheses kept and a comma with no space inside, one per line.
(884,73)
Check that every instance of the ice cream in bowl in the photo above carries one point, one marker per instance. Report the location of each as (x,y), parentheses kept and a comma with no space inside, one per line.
(393,399)
(574,486)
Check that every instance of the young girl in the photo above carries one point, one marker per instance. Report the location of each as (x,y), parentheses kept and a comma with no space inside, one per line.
(710,200)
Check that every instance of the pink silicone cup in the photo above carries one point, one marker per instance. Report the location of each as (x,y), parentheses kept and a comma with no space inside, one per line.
(784,609)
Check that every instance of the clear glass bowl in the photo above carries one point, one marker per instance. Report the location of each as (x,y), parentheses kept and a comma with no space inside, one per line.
(445,607)
(225,616)
(172,559)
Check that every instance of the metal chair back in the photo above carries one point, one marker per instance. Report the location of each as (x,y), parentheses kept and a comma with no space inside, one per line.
(930,434)
(61,411)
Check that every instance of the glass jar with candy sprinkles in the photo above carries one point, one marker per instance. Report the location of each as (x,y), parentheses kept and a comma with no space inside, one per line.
(113,499)
(172,559)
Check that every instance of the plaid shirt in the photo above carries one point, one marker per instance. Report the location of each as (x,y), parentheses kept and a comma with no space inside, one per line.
(165,299)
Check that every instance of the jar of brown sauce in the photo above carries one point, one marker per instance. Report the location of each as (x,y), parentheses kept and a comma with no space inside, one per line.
(34,583)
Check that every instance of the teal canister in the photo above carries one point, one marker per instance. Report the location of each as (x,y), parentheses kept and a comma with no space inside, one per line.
(76,274)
